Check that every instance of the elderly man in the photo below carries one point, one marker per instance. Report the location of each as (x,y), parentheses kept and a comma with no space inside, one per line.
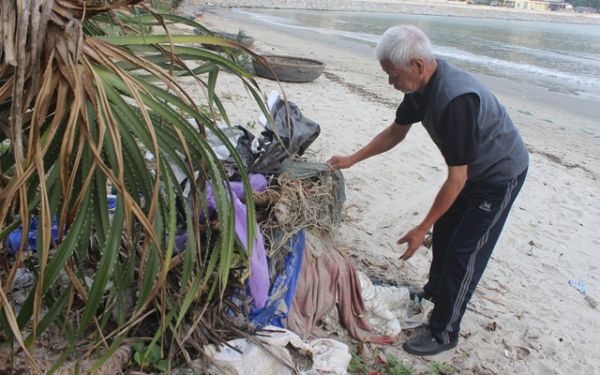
(487,163)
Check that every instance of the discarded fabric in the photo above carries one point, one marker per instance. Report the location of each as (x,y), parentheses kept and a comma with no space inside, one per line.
(259,277)
(14,239)
(389,309)
(282,292)
(273,357)
(328,279)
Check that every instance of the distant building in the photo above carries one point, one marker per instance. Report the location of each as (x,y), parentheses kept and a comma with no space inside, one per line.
(554,5)
(532,4)
(542,5)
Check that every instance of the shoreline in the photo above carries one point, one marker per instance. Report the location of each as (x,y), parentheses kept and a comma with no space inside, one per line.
(427,7)
(579,104)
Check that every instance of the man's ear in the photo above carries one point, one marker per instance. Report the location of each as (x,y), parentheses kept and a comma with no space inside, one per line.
(419,64)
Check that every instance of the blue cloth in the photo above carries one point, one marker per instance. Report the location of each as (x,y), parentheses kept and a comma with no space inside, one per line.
(281,294)
(14,239)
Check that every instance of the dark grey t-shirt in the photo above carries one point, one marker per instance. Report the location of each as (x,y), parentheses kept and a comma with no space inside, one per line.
(462,140)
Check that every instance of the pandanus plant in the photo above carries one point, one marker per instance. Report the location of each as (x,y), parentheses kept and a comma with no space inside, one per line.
(86,91)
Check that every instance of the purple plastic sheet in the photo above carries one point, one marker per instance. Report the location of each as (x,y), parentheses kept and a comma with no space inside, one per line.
(259,272)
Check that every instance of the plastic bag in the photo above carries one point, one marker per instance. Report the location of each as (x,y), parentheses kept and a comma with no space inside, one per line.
(287,139)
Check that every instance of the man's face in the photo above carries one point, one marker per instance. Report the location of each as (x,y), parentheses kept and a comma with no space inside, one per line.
(405,79)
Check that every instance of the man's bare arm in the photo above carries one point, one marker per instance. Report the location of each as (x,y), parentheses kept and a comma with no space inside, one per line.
(457,177)
(382,142)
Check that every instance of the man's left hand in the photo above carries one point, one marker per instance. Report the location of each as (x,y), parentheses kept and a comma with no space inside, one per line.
(414,238)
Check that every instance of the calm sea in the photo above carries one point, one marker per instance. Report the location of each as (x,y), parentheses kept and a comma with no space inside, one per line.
(557,56)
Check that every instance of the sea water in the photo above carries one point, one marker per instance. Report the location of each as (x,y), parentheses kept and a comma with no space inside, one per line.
(559,57)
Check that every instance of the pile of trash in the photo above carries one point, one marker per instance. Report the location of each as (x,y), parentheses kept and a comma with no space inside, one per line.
(307,276)
(297,276)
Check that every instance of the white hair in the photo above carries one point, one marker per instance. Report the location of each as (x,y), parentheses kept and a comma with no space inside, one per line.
(401,44)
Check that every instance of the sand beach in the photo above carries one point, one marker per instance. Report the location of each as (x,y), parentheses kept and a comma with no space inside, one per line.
(524,317)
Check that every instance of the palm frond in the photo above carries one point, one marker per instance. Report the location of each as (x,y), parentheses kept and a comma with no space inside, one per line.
(85,93)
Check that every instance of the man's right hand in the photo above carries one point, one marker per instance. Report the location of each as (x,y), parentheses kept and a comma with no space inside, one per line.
(385,140)
(340,162)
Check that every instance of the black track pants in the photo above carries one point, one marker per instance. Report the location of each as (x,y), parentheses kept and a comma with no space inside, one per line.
(463,240)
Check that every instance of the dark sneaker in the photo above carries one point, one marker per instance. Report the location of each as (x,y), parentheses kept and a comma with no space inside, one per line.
(426,344)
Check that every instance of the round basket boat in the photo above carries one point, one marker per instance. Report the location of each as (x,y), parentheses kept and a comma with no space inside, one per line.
(289,68)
